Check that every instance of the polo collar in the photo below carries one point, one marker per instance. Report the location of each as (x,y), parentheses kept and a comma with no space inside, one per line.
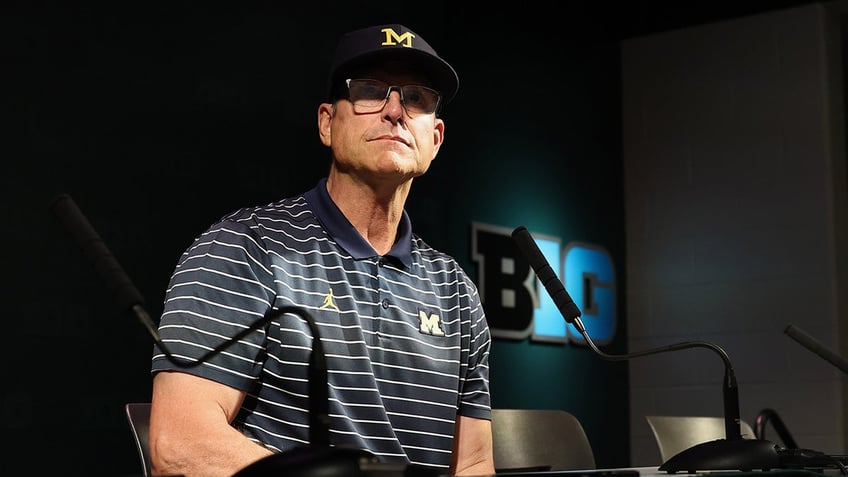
(342,231)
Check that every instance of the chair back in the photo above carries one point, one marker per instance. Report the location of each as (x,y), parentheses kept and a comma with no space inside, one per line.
(539,439)
(678,433)
(138,416)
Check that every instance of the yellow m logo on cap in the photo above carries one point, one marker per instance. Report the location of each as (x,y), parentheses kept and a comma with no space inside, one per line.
(431,325)
(393,38)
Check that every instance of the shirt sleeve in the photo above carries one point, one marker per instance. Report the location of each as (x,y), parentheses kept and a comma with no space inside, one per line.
(221,288)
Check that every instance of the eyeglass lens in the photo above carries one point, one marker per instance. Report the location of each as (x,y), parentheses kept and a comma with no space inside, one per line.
(369,95)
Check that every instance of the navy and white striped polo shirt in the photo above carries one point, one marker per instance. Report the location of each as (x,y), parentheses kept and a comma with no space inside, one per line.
(404,334)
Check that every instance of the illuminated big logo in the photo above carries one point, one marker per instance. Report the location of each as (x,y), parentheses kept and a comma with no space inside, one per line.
(518,306)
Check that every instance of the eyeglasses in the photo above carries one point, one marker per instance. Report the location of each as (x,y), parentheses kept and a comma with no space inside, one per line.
(369,96)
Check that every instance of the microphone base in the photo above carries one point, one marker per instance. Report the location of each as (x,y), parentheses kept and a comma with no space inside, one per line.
(723,454)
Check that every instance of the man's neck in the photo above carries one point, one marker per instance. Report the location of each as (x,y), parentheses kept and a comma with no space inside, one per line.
(374,212)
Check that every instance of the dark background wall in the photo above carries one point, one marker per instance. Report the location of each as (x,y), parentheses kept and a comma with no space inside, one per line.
(157,120)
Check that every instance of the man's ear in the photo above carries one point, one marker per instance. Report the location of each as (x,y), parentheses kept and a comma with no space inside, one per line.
(325,121)
(438,136)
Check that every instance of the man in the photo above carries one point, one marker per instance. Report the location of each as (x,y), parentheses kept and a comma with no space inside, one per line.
(401,324)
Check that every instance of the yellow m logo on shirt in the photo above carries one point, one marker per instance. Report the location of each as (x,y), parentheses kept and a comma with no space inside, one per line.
(430,325)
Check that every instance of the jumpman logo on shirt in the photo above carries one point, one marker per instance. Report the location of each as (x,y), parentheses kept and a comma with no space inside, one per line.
(329,302)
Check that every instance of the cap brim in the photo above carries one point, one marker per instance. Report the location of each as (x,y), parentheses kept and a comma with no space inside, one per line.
(441,74)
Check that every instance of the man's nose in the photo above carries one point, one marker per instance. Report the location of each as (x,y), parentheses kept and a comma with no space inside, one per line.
(394,103)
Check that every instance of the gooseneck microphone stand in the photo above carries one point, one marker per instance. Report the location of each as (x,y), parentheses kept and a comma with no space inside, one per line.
(731,453)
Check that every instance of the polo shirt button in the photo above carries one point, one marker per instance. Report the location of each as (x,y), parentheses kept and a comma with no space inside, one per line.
(385,303)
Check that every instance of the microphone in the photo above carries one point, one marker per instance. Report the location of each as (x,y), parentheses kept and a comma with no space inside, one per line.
(318,458)
(731,453)
(95,250)
(124,291)
(816,347)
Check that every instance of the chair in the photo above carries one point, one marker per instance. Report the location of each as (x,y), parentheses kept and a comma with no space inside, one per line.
(138,416)
(677,433)
(532,439)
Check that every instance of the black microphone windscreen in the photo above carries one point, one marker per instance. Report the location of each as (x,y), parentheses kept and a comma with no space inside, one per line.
(546,274)
(83,233)
(816,347)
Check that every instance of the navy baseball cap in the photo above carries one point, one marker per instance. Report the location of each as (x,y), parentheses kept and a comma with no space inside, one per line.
(392,42)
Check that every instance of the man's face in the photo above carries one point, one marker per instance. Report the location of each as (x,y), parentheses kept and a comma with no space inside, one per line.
(389,143)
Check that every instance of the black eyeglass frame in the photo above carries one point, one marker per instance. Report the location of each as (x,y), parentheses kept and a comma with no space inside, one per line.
(389,88)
